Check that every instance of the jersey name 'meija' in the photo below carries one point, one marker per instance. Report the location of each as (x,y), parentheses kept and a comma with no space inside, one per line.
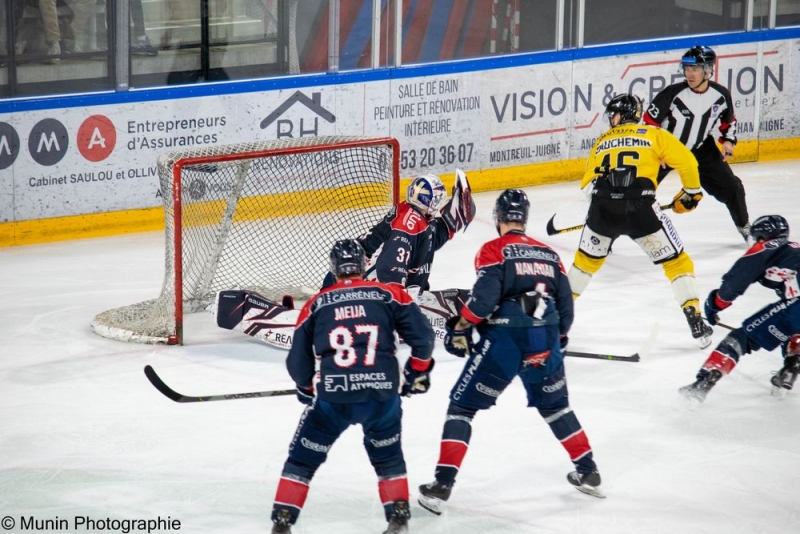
(516,251)
(621,142)
(350,312)
(535,268)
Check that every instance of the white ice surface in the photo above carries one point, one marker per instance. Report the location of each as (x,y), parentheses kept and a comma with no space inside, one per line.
(82,432)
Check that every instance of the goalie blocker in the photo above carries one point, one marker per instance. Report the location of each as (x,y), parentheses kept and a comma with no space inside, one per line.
(273,323)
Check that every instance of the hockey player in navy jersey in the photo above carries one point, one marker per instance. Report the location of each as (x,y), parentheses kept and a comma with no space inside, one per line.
(348,329)
(522,305)
(773,261)
(692,110)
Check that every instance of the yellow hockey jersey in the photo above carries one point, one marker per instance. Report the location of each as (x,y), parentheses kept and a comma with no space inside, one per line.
(642,147)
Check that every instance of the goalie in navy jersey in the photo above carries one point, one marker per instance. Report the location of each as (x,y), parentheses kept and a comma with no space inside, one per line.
(774,262)
(348,331)
(522,305)
(407,238)
(692,110)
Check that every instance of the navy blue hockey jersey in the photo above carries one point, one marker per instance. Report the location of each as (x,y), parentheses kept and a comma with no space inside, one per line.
(511,266)
(349,329)
(409,242)
(773,264)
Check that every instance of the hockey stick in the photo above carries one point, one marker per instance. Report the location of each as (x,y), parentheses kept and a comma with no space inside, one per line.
(552,230)
(600,356)
(635,357)
(167,391)
(723,325)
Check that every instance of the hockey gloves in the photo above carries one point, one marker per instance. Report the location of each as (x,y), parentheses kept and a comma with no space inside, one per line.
(457,342)
(564,341)
(305,395)
(416,376)
(686,201)
(459,211)
(416,381)
(713,306)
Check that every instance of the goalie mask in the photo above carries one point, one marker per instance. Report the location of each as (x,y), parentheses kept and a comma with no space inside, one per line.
(511,207)
(427,194)
(629,108)
(348,258)
(769,227)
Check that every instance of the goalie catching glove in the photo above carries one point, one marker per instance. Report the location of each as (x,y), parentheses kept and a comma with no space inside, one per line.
(416,376)
(459,211)
(457,341)
(686,201)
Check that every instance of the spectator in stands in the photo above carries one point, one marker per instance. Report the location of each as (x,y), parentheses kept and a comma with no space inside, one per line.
(48,10)
(140,43)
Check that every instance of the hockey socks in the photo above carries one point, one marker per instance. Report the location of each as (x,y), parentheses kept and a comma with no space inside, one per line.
(567,429)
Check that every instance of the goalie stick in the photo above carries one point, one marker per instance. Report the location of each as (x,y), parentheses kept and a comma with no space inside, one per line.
(170,393)
(552,230)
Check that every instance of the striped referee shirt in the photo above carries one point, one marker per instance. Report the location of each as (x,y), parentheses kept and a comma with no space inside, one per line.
(692,116)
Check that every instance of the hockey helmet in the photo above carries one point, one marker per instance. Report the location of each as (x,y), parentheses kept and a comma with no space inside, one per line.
(511,206)
(699,55)
(348,258)
(769,227)
(426,193)
(628,106)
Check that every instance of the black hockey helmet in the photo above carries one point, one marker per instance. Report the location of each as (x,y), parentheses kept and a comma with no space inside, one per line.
(348,258)
(511,206)
(699,55)
(628,106)
(769,227)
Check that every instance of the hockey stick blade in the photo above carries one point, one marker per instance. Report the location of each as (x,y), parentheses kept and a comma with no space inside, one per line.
(635,357)
(600,356)
(552,230)
(170,393)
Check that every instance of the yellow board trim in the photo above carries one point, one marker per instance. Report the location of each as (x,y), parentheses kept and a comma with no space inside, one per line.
(152,219)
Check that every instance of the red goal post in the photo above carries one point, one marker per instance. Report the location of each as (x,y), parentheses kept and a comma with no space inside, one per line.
(259,216)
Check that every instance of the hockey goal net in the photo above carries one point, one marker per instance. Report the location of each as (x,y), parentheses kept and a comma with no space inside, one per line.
(259,216)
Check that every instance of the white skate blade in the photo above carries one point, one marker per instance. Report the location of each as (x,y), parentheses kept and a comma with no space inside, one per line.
(591,490)
(431,504)
(779,392)
(704,341)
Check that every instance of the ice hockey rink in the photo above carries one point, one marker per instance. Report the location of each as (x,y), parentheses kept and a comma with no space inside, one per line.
(84,434)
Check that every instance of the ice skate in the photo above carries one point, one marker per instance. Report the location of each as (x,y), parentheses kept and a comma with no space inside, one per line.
(398,522)
(744,231)
(783,382)
(432,496)
(283,523)
(588,483)
(700,330)
(700,388)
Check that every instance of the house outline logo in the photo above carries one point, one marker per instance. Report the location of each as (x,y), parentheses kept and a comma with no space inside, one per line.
(287,127)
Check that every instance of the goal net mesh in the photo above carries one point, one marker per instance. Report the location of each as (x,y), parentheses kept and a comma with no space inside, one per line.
(260,216)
